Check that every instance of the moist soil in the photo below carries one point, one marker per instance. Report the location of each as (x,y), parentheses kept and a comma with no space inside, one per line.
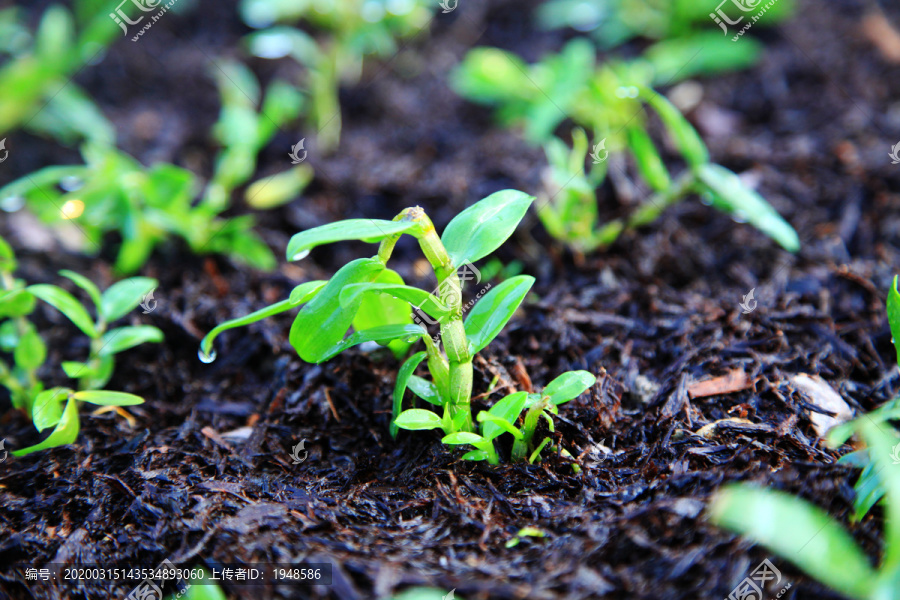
(811,126)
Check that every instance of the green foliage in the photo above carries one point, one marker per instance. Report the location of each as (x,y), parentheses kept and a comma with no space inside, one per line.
(805,535)
(346,31)
(615,101)
(36,80)
(372,299)
(58,407)
(114,192)
(613,22)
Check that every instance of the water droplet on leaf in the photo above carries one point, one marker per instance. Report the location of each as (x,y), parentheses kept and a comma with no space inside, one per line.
(12,203)
(206,358)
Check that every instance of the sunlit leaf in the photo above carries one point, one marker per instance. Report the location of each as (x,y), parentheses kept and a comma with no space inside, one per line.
(483,227)
(65,303)
(122,338)
(367,230)
(418,419)
(107,398)
(491,313)
(124,296)
(406,371)
(65,432)
(569,386)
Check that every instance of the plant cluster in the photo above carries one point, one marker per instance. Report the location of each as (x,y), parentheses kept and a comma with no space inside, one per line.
(788,525)
(611,100)
(346,32)
(374,300)
(58,407)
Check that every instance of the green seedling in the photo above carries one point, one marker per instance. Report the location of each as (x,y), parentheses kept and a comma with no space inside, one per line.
(346,32)
(804,534)
(58,407)
(611,100)
(373,299)
(676,22)
(244,130)
(525,532)
(502,416)
(38,92)
(113,192)
(869,487)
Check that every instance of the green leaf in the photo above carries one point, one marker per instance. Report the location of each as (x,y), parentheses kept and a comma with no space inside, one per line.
(76,370)
(16,303)
(376,310)
(425,390)
(84,283)
(569,386)
(123,338)
(7,257)
(279,189)
(30,352)
(647,158)
(426,301)
(406,371)
(416,419)
(500,426)
(462,437)
(65,432)
(483,227)
(47,409)
(893,313)
(686,138)
(323,322)
(381,335)
(65,303)
(107,398)
(305,292)
(491,313)
(881,445)
(475,455)
(507,409)
(367,230)
(731,195)
(125,296)
(799,532)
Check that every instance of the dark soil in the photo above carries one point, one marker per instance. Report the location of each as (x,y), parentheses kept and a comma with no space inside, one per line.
(813,122)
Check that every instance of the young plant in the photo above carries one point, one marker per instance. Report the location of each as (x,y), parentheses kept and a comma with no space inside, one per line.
(348,31)
(57,407)
(38,92)
(802,533)
(244,130)
(502,416)
(869,487)
(610,100)
(331,308)
(113,192)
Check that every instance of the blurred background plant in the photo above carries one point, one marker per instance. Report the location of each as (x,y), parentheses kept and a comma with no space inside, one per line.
(346,31)
(610,100)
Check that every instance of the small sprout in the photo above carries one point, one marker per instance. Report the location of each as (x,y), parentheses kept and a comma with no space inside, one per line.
(373,300)
(530,532)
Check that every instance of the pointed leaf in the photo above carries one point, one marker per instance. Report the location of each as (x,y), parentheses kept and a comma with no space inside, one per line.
(367,230)
(508,409)
(65,303)
(323,322)
(491,313)
(729,194)
(500,426)
(798,531)
(106,398)
(76,370)
(569,386)
(381,335)
(376,310)
(416,419)
(426,301)
(48,407)
(30,351)
(406,371)
(124,296)
(65,432)
(881,444)
(483,227)
(475,455)
(123,338)
(686,137)
(425,390)
(305,292)
(84,283)
(893,313)
(462,437)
